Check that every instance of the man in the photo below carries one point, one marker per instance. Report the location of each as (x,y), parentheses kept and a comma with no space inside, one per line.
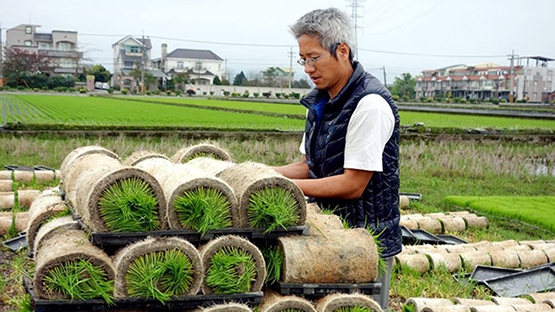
(350,147)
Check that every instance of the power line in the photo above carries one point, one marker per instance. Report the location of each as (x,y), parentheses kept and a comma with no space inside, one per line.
(432,55)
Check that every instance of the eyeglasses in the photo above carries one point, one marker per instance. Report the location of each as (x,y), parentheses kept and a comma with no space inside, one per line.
(309,61)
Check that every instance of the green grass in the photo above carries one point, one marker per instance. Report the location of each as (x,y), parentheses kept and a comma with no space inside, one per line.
(232,270)
(530,209)
(273,256)
(79,280)
(159,275)
(203,209)
(129,205)
(271,208)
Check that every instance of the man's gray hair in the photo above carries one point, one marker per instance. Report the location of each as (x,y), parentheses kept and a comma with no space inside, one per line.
(331,26)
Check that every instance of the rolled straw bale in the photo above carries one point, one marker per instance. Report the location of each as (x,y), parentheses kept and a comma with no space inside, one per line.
(532,258)
(426,248)
(64,247)
(452,262)
(7,220)
(91,188)
(142,155)
(52,227)
(26,197)
(210,165)
(126,256)
(520,248)
(344,256)
(435,215)
(404,202)
(452,224)
(83,171)
(453,308)
(429,224)
(473,258)
(5,174)
(187,153)
(6,185)
(7,200)
(334,302)
(417,262)
(82,151)
(493,308)
(178,179)
(505,243)
(459,248)
(413,216)
(474,221)
(472,302)
(225,307)
(419,303)
(24,176)
(410,224)
(531,242)
(505,258)
(320,222)
(541,297)
(249,177)
(42,209)
(509,300)
(532,307)
(42,176)
(550,253)
(208,250)
(274,302)
(459,213)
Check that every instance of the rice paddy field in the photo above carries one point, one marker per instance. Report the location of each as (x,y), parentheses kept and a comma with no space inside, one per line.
(511,181)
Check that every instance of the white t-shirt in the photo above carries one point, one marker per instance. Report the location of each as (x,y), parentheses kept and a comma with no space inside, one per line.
(368,131)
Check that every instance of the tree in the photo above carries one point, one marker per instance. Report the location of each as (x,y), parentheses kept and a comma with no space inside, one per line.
(302,83)
(180,79)
(18,61)
(150,80)
(100,73)
(217,81)
(404,86)
(270,76)
(240,79)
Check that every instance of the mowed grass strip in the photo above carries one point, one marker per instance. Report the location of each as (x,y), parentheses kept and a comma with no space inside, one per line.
(76,110)
(536,210)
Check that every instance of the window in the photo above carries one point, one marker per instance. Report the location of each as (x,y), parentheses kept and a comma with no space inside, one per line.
(198,65)
(133,49)
(28,43)
(128,64)
(180,65)
(64,46)
(65,63)
(28,29)
(44,45)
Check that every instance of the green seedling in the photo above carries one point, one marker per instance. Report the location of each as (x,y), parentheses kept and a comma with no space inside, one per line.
(203,209)
(231,270)
(271,208)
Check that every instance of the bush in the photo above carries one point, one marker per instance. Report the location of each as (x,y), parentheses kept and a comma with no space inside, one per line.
(255,94)
(267,94)
(235,94)
(463,101)
(406,98)
(423,99)
(429,100)
(278,95)
(226,93)
(58,89)
(495,101)
(246,94)
(285,95)
(2,88)
(117,87)
(295,95)
(204,93)
(503,101)
(395,97)
(191,92)
(212,92)
(168,92)
(472,101)
(178,92)
(110,90)
(457,99)
(36,89)
(124,91)
(83,90)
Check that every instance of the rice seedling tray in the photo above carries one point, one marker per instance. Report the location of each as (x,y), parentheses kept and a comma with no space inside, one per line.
(413,196)
(451,240)
(179,303)
(17,167)
(539,279)
(419,237)
(485,272)
(16,243)
(318,290)
(107,240)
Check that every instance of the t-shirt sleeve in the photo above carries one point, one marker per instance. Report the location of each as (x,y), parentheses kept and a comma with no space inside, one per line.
(368,131)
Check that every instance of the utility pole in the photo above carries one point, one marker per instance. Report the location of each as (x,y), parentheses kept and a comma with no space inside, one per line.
(511,73)
(1,50)
(384,77)
(290,67)
(355,4)
(143,50)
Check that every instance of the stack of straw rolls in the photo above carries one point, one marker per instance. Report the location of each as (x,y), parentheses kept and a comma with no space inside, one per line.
(334,302)
(249,177)
(7,221)
(187,153)
(338,263)
(419,303)
(275,302)
(210,165)
(208,250)
(63,247)
(88,174)
(52,227)
(6,185)
(42,176)
(177,179)
(24,176)
(43,208)
(26,197)
(126,256)
(5,175)
(319,222)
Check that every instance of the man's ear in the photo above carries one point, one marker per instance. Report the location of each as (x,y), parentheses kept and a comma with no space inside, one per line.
(343,51)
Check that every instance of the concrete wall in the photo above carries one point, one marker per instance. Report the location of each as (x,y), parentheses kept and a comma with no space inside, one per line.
(218,90)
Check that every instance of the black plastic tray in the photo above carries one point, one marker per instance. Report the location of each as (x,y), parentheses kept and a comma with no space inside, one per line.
(539,279)
(317,290)
(177,304)
(417,237)
(255,234)
(485,272)
(413,196)
(16,243)
(451,240)
(20,168)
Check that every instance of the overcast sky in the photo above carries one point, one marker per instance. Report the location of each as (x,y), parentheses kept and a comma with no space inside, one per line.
(250,35)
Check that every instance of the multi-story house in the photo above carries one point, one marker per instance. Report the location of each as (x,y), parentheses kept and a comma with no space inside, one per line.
(279,77)
(530,82)
(132,62)
(201,66)
(59,45)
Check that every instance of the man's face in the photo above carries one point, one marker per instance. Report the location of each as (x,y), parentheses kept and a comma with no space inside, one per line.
(326,71)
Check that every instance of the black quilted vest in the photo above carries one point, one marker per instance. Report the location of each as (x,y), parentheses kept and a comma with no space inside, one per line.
(378,207)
